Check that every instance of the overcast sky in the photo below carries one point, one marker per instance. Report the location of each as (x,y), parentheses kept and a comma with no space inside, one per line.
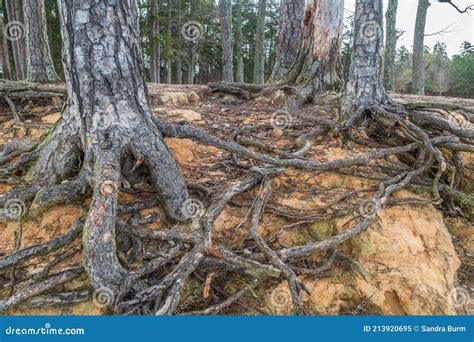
(439,16)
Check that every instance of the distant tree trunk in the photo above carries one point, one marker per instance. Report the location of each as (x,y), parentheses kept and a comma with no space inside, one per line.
(179,65)
(259,62)
(155,49)
(225,18)
(317,67)
(364,87)
(4,56)
(418,80)
(191,47)
(169,64)
(40,66)
(390,45)
(239,75)
(289,38)
(16,33)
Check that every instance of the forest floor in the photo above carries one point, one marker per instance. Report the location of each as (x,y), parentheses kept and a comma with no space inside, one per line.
(416,258)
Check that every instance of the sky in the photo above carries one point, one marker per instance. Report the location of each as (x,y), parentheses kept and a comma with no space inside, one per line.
(440,15)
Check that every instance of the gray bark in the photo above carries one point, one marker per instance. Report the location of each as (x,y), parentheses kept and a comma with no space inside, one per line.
(239,74)
(6,73)
(289,38)
(390,45)
(14,9)
(364,87)
(418,79)
(259,61)
(107,108)
(225,18)
(155,49)
(317,66)
(39,66)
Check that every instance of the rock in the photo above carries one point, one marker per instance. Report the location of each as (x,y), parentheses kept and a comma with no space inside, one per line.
(51,118)
(187,114)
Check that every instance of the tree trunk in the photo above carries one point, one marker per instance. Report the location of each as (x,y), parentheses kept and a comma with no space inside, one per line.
(390,45)
(239,75)
(418,80)
(108,119)
(15,32)
(318,67)
(4,56)
(169,64)
(225,18)
(179,66)
(40,67)
(364,87)
(155,50)
(289,38)
(259,62)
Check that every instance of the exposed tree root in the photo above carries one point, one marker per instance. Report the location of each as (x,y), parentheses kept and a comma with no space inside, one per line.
(62,170)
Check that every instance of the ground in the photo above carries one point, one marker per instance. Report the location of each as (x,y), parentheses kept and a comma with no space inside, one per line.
(414,259)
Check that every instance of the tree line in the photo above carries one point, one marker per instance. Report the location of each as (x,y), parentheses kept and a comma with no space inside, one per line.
(253,41)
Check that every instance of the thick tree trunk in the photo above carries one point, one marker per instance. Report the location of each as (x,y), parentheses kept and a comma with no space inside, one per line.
(39,66)
(239,74)
(289,38)
(418,80)
(390,45)
(155,49)
(317,67)
(364,87)
(16,33)
(108,117)
(259,61)
(225,18)
(4,56)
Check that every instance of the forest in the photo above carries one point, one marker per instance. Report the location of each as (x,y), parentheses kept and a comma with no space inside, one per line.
(246,157)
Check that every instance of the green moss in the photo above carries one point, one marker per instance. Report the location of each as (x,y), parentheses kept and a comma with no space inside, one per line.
(324,229)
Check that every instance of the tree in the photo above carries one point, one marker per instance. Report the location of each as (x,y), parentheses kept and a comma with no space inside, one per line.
(225,18)
(364,88)
(418,48)
(15,32)
(106,127)
(4,56)
(239,75)
(259,62)
(317,66)
(155,49)
(390,45)
(40,67)
(289,38)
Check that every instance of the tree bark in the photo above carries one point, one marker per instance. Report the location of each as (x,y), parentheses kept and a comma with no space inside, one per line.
(179,64)
(4,56)
(155,49)
(418,80)
(108,118)
(317,67)
(239,75)
(364,87)
(169,64)
(390,45)
(225,18)
(259,61)
(289,38)
(40,67)
(16,33)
